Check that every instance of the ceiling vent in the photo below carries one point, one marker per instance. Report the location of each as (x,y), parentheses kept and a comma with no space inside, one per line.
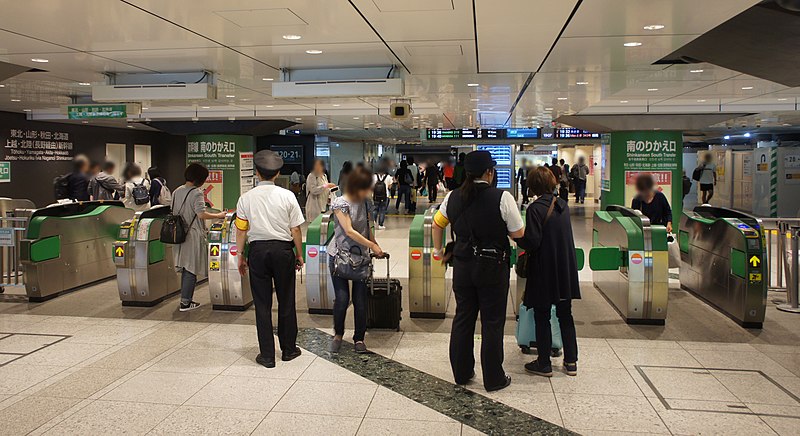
(339,88)
(154,92)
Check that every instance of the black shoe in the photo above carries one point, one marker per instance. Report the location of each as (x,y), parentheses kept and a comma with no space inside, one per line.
(291,355)
(538,368)
(469,379)
(504,385)
(267,362)
(571,369)
(188,306)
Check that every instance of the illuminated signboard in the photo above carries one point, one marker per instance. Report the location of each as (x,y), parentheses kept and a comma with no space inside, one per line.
(500,153)
(505,178)
(522,133)
(571,133)
(433,134)
(492,133)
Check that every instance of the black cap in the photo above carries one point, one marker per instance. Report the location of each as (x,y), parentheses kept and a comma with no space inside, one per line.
(477,162)
(267,163)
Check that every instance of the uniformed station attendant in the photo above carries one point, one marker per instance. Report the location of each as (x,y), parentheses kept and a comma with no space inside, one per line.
(269,218)
(482,218)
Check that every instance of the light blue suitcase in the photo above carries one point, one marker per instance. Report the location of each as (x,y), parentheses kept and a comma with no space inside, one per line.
(526,331)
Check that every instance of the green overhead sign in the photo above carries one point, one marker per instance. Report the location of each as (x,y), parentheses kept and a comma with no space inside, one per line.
(5,172)
(97,111)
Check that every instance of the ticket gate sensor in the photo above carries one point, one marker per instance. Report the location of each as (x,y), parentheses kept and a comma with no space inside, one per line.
(229,289)
(630,264)
(70,245)
(723,262)
(429,292)
(146,273)
(319,287)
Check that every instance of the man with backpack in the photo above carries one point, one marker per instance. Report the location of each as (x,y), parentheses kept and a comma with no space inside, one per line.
(159,192)
(104,186)
(431,180)
(75,185)
(706,175)
(380,196)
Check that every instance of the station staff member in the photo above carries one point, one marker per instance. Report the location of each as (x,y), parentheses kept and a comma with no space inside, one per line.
(269,217)
(482,218)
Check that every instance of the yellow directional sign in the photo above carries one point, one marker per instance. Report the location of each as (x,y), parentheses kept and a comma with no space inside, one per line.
(215,250)
(755,261)
(213,265)
(119,252)
(755,277)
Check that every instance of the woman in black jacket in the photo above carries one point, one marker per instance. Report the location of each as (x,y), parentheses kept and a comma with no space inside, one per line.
(552,271)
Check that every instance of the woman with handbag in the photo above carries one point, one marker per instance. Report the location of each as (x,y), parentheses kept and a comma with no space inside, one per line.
(191,256)
(349,256)
(552,271)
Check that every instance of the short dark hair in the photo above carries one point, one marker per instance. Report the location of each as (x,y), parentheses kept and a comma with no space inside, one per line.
(109,166)
(542,181)
(131,170)
(358,180)
(153,172)
(79,163)
(196,173)
(645,182)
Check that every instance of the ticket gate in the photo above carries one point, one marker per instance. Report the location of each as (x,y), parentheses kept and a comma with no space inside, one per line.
(146,273)
(319,288)
(630,263)
(70,245)
(229,289)
(723,262)
(429,292)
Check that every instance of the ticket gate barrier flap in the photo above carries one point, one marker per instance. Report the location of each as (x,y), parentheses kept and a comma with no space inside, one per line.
(429,292)
(229,290)
(630,264)
(319,287)
(146,273)
(723,262)
(68,246)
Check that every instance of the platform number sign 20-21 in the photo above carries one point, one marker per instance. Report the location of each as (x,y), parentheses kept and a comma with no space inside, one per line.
(291,154)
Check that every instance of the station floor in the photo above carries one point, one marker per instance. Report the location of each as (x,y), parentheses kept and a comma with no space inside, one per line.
(83,364)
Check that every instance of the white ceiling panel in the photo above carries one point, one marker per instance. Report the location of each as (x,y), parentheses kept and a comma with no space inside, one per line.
(333,55)
(413,5)
(445,20)
(515,35)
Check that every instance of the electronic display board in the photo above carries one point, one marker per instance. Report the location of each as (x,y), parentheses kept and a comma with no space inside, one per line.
(452,134)
(505,178)
(492,133)
(572,133)
(522,133)
(502,154)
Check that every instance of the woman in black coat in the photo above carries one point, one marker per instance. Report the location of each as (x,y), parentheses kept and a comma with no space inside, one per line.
(552,271)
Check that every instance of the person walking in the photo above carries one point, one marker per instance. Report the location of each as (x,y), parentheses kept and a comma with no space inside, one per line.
(344,173)
(380,196)
(415,184)
(353,239)
(268,217)
(78,180)
(159,192)
(318,190)
(432,182)
(459,174)
(104,186)
(522,177)
(708,177)
(550,245)
(579,173)
(191,257)
(482,218)
(405,182)
(137,188)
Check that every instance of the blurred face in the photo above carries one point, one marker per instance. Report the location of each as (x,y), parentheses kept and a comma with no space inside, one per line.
(362,194)
(319,168)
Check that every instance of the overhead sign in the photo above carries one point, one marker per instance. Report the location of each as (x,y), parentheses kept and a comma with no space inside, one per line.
(291,154)
(96,111)
(523,133)
(5,172)
(571,133)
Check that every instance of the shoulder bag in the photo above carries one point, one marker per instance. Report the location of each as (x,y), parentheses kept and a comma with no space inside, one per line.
(174,228)
(353,264)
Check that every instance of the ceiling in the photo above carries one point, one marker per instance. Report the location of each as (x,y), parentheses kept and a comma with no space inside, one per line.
(532,60)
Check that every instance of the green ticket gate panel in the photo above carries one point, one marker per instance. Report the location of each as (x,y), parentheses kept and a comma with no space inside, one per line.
(429,292)
(229,290)
(146,272)
(723,262)
(319,288)
(70,245)
(630,264)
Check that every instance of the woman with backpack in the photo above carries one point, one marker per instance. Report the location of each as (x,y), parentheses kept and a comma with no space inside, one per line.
(159,192)
(380,196)
(137,188)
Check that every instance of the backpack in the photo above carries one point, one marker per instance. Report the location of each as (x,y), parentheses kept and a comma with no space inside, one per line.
(408,179)
(174,229)
(165,196)
(140,194)
(379,190)
(697,174)
(61,187)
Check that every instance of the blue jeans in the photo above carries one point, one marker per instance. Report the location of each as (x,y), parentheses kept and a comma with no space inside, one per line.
(404,191)
(379,213)
(580,190)
(188,283)
(341,288)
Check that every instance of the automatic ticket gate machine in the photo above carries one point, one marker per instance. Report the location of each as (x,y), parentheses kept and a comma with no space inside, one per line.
(146,273)
(723,261)
(630,264)
(229,289)
(70,245)
(429,292)
(319,288)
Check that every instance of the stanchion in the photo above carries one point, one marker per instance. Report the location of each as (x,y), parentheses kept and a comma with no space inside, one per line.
(792,284)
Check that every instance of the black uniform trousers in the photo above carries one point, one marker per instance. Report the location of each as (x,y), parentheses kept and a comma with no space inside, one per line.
(271,265)
(473,297)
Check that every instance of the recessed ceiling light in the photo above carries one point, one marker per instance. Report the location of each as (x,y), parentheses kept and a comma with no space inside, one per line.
(696,71)
(336,105)
(292,37)
(145,108)
(84,84)
(474,99)
(632,44)
(298,119)
(355,118)
(314,52)
(782,99)
(701,101)
(268,79)
(747,135)
(654,27)
(130,127)
(562,98)
(2,86)
(15,100)
(269,105)
(26,110)
(581,83)
(473,84)
(726,137)
(747,88)
(548,108)
(40,60)
(623,101)
(652,89)
(230,96)
(205,107)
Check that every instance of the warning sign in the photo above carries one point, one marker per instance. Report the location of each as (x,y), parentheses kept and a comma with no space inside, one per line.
(312,252)
(416,254)
(213,265)
(636,258)
(214,250)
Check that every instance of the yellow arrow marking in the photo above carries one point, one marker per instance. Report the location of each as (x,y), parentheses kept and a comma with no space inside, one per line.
(119,251)
(755,261)
(215,250)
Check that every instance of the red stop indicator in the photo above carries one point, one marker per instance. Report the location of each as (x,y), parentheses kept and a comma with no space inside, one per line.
(234,250)
(312,252)
(416,254)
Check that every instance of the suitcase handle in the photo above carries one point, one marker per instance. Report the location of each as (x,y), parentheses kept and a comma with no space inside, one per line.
(388,271)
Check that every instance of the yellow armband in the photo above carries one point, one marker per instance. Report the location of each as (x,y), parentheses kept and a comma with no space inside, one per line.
(440,220)
(242,224)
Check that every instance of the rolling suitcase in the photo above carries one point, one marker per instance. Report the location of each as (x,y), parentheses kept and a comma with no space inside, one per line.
(384,301)
(526,331)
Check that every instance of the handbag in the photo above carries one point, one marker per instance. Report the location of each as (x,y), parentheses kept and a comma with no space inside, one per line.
(353,264)
(674,251)
(174,228)
(522,258)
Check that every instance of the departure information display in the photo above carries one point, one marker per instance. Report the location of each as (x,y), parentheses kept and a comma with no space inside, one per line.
(571,133)
(505,178)
(522,133)
(502,154)
(531,133)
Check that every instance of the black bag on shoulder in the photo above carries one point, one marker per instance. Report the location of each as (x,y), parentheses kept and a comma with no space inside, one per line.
(174,229)
(61,186)
(697,174)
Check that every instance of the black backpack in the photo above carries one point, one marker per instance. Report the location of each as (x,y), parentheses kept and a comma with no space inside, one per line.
(140,194)
(379,190)
(697,174)
(61,187)
(174,229)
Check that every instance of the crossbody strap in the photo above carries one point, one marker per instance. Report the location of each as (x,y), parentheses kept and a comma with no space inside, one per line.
(549,212)
(180,209)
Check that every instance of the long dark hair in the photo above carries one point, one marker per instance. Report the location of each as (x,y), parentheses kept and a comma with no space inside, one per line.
(469,188)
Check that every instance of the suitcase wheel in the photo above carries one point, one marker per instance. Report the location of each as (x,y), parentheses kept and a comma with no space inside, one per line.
(525,349)
(555,352)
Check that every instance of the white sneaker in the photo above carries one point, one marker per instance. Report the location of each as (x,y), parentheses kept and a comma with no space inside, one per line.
(381,227)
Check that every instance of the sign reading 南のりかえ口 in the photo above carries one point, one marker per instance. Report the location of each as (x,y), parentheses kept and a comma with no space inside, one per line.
(222,155)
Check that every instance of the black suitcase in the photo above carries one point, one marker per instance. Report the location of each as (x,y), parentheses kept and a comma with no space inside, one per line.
(384,301)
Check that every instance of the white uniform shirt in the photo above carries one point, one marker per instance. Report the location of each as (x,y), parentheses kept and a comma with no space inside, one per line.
(268,213)
(508,210)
